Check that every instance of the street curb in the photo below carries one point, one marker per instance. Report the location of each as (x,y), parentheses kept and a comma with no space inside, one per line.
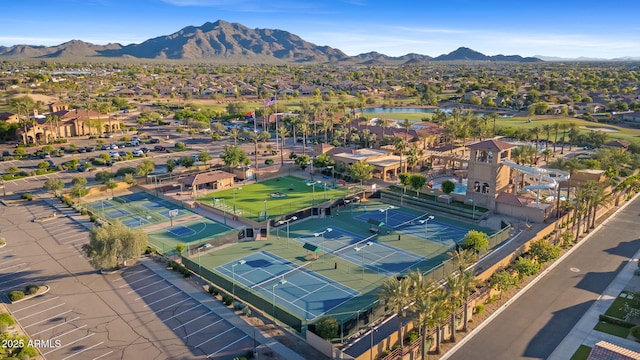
(473,332)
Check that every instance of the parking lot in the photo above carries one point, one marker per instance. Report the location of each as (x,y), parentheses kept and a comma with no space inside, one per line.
(134,315)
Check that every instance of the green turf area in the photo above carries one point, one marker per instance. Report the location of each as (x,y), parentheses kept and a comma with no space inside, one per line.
(249,200)
(612,329)
(165,240)
(582,353)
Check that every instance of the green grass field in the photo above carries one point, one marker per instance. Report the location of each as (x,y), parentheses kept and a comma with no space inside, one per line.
(582,353)
(251,200)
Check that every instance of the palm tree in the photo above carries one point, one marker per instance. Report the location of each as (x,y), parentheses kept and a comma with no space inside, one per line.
(396,295)
(535,131)
(439,314)
(400,146)
(599,197)
(556,127)
(573,134)
(493,117)
(547,129)
(454,294)
(235,134)
(282,132)
(564,126)
(413,156)
(422,308)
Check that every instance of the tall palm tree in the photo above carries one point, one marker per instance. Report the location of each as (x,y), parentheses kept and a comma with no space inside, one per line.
(400,145)
(439,314)
(599,197)
(468,283)
(573,134)
(282,132)
(535,131)
(454,294)
(396,295)
(556,127)
(493,117)
(563,126)
(235,134)
(422,308)
(547,129)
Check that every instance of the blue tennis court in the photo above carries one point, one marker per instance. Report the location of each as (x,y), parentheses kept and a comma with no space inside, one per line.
(180,230)
(434,230)
(135,222)
(376,256)
(139,196)
(388,215)
(117,213)
(300,290)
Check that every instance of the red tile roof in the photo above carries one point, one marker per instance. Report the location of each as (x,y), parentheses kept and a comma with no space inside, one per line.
(492,144)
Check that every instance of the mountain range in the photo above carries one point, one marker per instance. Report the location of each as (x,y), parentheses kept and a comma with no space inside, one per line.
(226,42)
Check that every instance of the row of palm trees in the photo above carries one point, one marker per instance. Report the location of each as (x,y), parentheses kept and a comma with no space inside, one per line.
(432,305)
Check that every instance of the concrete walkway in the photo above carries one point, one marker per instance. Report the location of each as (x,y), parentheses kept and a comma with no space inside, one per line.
(583,332)
(216,306)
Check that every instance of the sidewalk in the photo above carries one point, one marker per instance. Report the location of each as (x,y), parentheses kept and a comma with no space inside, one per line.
(221,310)
(583,332)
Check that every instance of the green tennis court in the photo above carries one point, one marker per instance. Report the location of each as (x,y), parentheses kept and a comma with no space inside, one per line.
(192,234)
(137,209)
(275,197)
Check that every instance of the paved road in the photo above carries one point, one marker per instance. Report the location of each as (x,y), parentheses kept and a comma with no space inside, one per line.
(532,326)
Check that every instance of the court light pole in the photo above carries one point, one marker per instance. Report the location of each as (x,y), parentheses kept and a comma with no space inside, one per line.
(313,185)
(234,198)
(265,209)
(361,251)
(473,211)
(293,218)
(322,239)
(273,296)
(333,179)
(426,223)
(233,277)
(386,215)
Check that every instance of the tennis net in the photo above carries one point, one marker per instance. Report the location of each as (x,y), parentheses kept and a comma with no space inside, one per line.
(269,282)
(411,222)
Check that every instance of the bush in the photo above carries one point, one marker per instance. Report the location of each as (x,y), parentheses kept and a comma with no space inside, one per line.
(616,321)
(246,311)
(412,337)
(2,241)
(635,331)
(93,218)
(27,196)
(269,162)
(16,295)
(227,299)
(478,309)
(31,289)
(180,145)
(83,212)
(6,319)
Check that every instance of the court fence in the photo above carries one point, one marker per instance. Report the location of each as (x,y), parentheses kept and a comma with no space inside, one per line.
(255,299)
(231,236)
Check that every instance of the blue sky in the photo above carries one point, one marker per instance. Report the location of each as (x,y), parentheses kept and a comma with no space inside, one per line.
(559,28)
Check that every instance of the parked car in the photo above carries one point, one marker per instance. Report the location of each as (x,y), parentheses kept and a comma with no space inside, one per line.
(105,147)
(89,148)
(51,163)
(154,140)
(144,150)
(113,147)
(110,163)
(114,154)
(122,153)
(195,157)
(159,148)
(137,151)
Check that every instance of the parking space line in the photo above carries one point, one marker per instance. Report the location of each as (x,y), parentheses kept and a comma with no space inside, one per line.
(202,328)
(157,291)
(54,316)
(40,312)
(10,261)
(40,303)
(127,275)
(69,332)
(157,301)
(157,311)
(103,355)
(24,263)
(83,350)
(71,343)
(206,341)
(152,275)
(82,238)
(192,320)
(53,327)
(190,309)
(146,286)
(233,343)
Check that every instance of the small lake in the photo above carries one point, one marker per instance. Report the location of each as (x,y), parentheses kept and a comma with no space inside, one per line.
(382,110)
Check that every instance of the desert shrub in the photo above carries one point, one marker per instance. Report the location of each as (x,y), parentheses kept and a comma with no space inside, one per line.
(412,337)
(2,241)
(27,196)
(16,295)
(6,319)
(185,272)
(83,212)
(246,311)
(478,309)
(93,218)
(269,162)
(31,289)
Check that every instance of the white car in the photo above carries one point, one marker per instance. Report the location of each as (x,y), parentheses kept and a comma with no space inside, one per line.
(114,154)
(137,151)
(113,147)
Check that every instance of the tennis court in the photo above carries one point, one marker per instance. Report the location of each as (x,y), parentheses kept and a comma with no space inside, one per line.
(287,284)
(380,257)
(421,226)
(191,234)
(137,209)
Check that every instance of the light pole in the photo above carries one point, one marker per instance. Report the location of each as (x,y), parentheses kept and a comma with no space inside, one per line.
(473,212)
(234,198)
(199,267)
(273,295)
(233,277)
(325,191)
(361,251)
(333,179)
(313,185)
(294,218)
(373,331)
(386,215)
(265,209)
(426,222)
(322,239)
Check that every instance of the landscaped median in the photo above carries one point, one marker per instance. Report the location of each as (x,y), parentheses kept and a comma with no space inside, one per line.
(15,345)
(30,291)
